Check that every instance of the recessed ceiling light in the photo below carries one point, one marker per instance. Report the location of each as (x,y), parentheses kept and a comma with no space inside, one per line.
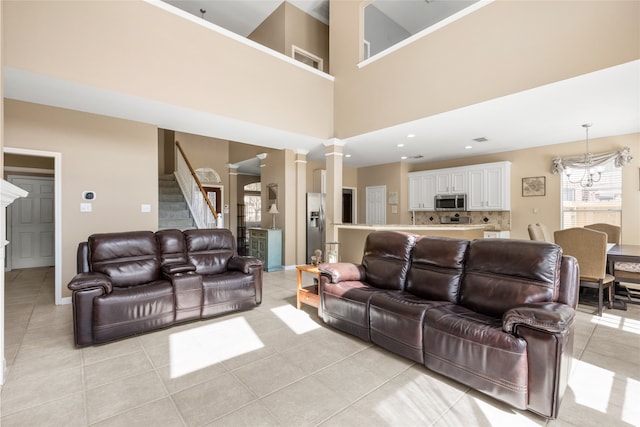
(411,135)
(401,145)
(468,147)
(403,158)
(347,155)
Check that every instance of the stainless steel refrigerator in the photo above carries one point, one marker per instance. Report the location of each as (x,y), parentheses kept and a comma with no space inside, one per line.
(315,224)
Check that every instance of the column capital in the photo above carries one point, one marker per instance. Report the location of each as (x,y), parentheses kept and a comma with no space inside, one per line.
(301,155)
(334,141)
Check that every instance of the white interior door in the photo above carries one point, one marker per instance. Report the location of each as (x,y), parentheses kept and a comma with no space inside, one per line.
(376,204)
(33,223)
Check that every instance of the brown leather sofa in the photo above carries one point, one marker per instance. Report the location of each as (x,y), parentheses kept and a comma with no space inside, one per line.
(494,314)
(134,282)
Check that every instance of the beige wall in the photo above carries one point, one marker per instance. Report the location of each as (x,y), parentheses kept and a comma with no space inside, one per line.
(242,181)
(30,162)
(307,33)
(166,151)
(393,175)
(504,48)
(349,175)
(271,32)
(288,26)
(208,72)
(115,158)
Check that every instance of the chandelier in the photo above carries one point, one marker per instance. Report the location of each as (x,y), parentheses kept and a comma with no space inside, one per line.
(588,177)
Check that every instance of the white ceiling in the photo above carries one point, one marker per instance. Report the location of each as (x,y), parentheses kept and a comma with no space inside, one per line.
(244,16)
(551,114)
(414,16)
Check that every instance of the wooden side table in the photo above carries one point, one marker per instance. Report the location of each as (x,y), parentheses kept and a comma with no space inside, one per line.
(307,295)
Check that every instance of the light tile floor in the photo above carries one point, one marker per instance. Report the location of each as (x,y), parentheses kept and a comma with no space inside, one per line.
(276,366)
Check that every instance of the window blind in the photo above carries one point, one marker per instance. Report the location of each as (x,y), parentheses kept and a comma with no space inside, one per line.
(601,203)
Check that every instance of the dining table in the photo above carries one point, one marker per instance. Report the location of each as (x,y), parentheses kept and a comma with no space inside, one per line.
(621,253)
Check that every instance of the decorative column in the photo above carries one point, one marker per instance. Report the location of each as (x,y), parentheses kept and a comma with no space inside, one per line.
(333,154)
(8,193)
(301,211)
(232,220)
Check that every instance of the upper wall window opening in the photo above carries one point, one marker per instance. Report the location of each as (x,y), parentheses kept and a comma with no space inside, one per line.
(306,58)
(390,24)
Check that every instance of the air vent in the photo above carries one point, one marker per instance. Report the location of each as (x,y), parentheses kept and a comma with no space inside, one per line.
(481,139)
(417,156)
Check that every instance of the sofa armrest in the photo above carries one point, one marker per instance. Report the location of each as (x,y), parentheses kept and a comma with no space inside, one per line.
(548,329)
(342,271)
(244,263)
(170,269)
(552,317)
(84,281)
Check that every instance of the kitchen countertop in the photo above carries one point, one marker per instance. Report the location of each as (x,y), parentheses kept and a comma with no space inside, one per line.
(409,227)
(352,237)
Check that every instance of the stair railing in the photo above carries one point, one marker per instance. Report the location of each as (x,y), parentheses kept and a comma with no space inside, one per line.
(202,210)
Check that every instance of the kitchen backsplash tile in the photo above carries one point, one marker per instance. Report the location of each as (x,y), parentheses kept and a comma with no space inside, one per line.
(494,220)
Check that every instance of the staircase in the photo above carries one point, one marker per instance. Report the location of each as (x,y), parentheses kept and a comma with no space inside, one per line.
(173,211)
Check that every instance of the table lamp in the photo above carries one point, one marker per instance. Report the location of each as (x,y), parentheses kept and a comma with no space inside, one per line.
(274,211)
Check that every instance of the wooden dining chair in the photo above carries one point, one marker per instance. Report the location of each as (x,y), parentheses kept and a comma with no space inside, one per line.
(589,247)
(540,232)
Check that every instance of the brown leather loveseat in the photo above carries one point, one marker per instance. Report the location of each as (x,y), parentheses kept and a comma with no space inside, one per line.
(494,314)
(133,282)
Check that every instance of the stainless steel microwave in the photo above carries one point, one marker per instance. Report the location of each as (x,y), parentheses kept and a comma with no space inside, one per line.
(450,202)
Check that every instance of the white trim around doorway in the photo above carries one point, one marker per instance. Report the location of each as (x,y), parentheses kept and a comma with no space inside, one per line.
(57,178)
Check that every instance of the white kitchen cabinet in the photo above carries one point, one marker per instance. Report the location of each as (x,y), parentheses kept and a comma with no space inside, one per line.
(451,181)
(489,187)
(422,188)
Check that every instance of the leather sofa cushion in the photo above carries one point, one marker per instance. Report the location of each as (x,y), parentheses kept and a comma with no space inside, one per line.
(128,311)
(503,273)
(230,291)
(386,259)
(128,258)
(346,306)
(397,321)
(473,349)
(209,252)
(436,268)
(172,247)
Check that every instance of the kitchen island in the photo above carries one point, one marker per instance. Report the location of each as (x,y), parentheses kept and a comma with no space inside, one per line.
(353,236)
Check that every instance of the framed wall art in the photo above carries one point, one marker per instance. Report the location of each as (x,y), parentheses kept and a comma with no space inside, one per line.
(534,186)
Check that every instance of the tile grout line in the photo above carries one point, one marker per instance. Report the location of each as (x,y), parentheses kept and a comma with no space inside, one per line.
(366,394)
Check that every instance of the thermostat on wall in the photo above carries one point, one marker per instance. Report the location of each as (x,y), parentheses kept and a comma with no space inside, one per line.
(89,195)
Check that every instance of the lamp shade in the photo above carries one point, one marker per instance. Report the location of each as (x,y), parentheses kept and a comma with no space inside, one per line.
(273,209)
